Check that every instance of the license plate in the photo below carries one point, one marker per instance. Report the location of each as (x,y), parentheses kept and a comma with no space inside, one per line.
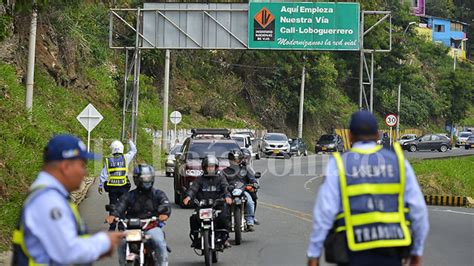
(276,151)
(324,148)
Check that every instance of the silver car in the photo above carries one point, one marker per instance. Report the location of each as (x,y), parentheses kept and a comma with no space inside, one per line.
(462,138)
(170,159)
(407,137)
(274,144)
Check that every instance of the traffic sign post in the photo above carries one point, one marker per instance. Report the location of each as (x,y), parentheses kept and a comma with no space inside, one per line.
(175,118)
(89,119)
(391,120)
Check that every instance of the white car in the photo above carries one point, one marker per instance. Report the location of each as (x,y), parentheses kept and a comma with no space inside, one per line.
(242,140)
(462,138)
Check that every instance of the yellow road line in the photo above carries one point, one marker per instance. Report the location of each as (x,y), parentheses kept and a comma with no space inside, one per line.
(298,214)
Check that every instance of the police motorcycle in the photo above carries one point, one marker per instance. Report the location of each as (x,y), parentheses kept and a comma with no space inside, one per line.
(237,209)
(208,235)
(138,249)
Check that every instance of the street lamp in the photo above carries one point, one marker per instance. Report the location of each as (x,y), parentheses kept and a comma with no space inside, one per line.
(400,84)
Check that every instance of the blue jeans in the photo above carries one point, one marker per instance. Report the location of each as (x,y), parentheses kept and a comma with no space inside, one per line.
(159,245)
(249,209)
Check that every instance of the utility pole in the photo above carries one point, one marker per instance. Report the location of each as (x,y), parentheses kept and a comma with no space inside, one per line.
(400,87)
(455,59)
(30,76)
(300,117)
(164,139)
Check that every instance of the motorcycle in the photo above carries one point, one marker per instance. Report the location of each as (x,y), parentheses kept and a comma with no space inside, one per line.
(208,235)
(237,209)
(139,250)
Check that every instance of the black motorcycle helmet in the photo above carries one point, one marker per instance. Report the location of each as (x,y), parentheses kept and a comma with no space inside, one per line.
(144,176)
(210,160)
(235,156)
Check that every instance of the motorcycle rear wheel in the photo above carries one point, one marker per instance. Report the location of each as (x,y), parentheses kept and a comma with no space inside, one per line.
(215,257)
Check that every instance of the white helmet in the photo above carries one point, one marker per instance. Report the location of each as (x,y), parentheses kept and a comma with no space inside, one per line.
(116,147)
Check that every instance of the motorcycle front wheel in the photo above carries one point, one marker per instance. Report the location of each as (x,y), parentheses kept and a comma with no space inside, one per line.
(207,249)
(237,224)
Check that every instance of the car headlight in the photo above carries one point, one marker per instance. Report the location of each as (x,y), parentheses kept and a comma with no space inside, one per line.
(193,172)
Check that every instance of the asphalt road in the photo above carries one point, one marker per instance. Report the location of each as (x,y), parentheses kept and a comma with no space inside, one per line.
(288,190)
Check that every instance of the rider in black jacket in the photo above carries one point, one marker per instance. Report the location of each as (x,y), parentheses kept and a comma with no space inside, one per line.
(144,203)
(209,186)
(237,172)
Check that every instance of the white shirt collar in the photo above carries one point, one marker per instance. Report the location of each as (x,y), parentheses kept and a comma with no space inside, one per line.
(364,145)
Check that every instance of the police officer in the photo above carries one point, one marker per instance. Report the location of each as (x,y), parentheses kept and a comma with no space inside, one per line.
(113,177)
(50,230)
(210,185)
(370,209)
(145,202)
(236,172)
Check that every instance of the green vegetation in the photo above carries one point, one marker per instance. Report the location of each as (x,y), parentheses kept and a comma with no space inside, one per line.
(235,89)
(440,177)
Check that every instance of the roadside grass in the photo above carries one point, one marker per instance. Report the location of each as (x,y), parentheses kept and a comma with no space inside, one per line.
(451,177)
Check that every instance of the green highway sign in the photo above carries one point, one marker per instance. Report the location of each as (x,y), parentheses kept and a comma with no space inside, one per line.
(304,26)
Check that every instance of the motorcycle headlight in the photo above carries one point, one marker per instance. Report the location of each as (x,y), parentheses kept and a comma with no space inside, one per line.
(193,172)
(205,214)
(134,235)
(331,146)
(169,162)
(237,192)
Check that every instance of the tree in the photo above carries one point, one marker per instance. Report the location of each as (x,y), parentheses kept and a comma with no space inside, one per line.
(440,8)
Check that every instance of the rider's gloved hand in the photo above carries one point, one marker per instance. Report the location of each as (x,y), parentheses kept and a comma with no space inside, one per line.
(228,201)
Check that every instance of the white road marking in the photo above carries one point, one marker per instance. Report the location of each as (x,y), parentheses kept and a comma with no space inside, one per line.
(309,182)
(451,211)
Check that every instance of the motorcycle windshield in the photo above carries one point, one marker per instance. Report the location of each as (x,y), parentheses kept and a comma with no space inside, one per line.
(238,185)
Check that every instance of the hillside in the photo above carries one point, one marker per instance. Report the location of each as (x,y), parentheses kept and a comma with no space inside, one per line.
(74,67)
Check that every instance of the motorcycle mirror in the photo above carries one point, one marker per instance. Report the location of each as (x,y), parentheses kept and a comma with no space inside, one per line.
(258,175)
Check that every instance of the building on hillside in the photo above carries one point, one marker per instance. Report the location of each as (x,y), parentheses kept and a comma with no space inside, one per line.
(417,7)
(450,33)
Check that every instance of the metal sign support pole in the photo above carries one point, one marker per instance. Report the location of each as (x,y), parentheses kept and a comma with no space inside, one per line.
(88,131)
(164,140)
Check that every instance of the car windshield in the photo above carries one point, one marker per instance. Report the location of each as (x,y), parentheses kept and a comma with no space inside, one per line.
(326,138)
(408,137)
(218,149)
(465,135)
(240,141)
(175,149)
(276,137)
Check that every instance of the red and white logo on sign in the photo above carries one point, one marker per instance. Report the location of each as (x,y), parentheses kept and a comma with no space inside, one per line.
(391,120)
